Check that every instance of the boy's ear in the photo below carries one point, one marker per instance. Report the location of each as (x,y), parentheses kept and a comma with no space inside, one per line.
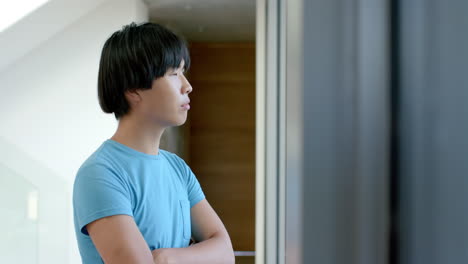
(132,96)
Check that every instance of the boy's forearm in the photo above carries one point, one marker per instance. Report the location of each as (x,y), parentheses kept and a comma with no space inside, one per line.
(215,250)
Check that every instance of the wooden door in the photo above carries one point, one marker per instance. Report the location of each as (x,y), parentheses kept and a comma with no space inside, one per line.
(222,133)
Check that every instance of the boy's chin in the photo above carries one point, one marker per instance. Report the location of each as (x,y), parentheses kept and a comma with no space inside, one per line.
(178,122)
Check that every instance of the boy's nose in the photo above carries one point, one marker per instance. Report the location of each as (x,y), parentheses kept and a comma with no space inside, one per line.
(187,88)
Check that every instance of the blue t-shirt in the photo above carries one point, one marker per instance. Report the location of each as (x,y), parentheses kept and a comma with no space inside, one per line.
(156,190)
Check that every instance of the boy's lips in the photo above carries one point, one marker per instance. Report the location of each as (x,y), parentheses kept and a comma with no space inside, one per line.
(186,105)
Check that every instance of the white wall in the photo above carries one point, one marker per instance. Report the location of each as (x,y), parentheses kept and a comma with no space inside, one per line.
(37,27)
(50,114)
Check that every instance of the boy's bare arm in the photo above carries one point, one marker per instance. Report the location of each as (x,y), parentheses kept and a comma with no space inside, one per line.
(214,246)
(119,241)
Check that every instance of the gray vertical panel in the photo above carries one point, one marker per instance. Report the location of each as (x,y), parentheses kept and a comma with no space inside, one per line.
(271,155)
(434,147)
(341,93)
(260,132)
(372,128)
(323,204)
(275,136)
(416,188)
(292,89)
(451,130)
(282,132)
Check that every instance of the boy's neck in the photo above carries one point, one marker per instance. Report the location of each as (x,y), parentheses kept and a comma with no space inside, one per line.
(138,135)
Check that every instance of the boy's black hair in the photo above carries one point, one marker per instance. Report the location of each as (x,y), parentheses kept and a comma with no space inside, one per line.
(132,58)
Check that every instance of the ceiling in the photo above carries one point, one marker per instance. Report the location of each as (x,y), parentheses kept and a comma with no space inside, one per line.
(207,20)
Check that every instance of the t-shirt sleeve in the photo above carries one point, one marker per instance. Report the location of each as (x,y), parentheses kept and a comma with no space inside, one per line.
(194,190)
(99,192)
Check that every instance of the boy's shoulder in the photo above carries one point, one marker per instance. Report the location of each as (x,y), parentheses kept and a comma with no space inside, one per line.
(172,158)
(168,155)
(99,158)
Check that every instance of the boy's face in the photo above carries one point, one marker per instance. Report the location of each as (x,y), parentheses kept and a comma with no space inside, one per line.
(167,102)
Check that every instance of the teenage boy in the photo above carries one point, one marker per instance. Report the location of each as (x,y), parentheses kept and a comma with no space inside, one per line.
(133,202)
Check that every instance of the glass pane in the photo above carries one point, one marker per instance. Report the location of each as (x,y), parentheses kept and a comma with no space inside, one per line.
(19,204)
